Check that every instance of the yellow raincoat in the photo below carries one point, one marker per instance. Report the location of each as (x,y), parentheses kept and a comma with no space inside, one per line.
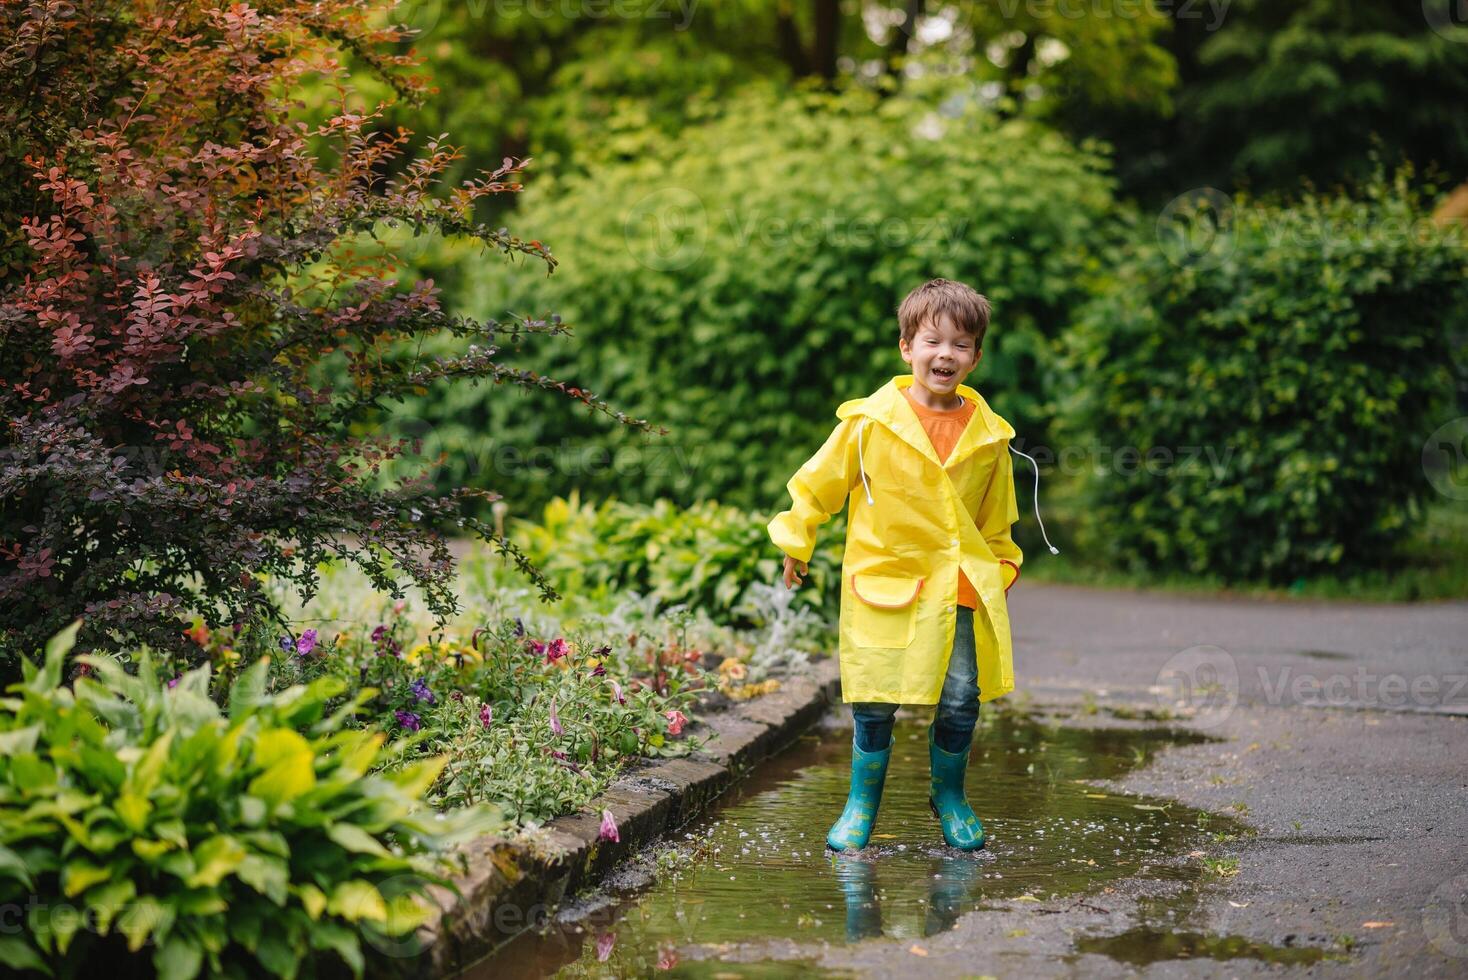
(913,523)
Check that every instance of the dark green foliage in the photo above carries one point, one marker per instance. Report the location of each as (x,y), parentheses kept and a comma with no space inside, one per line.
(706,556)
(739,284)
(1278,381)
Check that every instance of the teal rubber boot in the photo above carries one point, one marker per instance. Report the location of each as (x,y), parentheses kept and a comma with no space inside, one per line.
(961,828)
(868,775)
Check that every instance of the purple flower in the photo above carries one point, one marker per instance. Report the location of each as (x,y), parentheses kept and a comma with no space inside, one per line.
(486,715)
(617,690)
(286,645)
(378,634)
(421,692)
(598,671)
(409,720)
(306,643)
(556,651)
(519,626)
(555,719)
(608,828)
(173,683)
(604,946)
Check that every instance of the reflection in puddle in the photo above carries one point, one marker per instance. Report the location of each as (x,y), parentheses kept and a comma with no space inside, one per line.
(754,871)
(1145,945)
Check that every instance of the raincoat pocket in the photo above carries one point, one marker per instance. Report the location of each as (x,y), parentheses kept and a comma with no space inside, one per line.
(886,615)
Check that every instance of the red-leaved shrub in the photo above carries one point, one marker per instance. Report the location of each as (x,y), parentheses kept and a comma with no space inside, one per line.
(182,259)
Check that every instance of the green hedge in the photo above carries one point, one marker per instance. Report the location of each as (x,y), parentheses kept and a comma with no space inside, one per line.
(1252,402)
(735,285)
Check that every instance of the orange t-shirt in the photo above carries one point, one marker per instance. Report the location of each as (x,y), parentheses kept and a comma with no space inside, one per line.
(943,429)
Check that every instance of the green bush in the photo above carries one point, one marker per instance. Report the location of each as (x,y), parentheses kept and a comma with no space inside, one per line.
(736,284)
(706,556)
(135,812)
(1259,394)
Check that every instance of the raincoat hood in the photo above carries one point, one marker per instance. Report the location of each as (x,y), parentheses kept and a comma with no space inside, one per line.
(888,406)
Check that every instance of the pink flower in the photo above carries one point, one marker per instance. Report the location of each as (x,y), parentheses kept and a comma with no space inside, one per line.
(557,650)
(306,643)
(608,828)
(676,721)
(604,944)
(617,690)
(486,715)
(537,646)
(555,719)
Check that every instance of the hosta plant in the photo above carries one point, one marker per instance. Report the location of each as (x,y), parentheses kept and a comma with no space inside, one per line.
(144,827)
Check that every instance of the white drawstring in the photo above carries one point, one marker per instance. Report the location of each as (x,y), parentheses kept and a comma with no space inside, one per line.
(862,466)
(1036,466)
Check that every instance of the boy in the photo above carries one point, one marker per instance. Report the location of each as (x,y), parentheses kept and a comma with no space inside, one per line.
(929,557)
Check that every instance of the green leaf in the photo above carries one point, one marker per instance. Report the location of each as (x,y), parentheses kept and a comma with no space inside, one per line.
(79,875)
(19,740)
(142,918)
(143,778)
(12,865)
(358,900)
(278,954)
(17,954)
(353,838)
(133,811)
(105,901)
(343,941)
(216,857)
(270,876)
(313,900)
(285,780)
(179,958)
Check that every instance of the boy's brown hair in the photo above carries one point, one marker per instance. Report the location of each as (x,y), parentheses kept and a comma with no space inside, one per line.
(969,309)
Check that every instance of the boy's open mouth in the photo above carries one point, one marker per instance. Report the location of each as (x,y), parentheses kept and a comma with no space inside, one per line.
(945,373)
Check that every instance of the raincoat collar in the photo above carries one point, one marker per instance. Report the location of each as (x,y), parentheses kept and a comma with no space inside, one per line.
(889,407)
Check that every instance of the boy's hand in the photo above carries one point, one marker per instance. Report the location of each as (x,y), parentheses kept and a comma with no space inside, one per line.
(793,570)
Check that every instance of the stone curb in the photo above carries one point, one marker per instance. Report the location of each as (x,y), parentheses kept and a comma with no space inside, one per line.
(513,884)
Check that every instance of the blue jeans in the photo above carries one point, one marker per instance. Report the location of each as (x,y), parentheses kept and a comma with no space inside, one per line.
(958,705)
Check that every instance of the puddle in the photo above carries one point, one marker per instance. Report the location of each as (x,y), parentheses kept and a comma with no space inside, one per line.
(754,872)
(1144,945)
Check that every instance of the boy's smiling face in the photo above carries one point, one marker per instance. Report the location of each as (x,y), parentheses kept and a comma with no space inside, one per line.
(941,356)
